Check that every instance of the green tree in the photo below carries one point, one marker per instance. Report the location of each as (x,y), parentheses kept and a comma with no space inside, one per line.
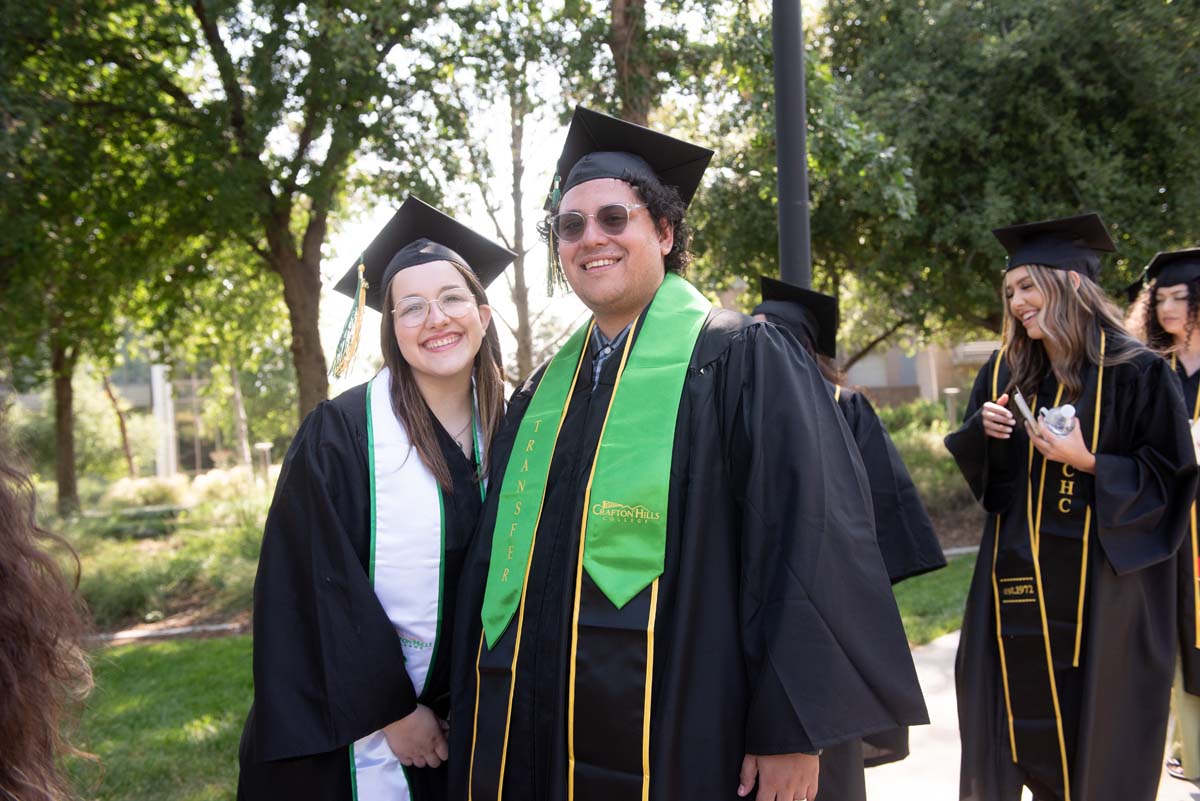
(860,185)
(1019,110)
(87,201)
(230,325)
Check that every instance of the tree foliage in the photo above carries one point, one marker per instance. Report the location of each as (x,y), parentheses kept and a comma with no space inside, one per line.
(1018,110)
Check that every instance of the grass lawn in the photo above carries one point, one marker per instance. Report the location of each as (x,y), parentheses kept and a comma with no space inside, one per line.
(165,720)
(932,605)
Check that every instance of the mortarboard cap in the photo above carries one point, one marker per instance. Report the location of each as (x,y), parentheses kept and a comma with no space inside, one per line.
(600,146)
(417,234)
(1174,267)
(1167,268)
(1069,243)
(810,315)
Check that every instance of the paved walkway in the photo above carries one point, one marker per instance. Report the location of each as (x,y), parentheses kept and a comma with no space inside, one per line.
(931,772)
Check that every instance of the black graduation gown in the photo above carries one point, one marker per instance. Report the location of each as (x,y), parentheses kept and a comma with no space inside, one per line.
(1188,652)
(776,629)
(909,548)
(1114,706)
(328,666)
(903,529)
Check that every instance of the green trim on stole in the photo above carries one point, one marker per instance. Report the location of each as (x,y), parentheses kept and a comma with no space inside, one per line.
(625,542)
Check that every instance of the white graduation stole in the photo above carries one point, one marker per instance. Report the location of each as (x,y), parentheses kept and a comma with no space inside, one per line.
(406,564)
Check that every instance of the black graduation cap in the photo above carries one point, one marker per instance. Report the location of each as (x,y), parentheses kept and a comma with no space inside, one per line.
(1173,267)
(1069,243)
(1167,268)
(600,146)
(807,314)
(418,234)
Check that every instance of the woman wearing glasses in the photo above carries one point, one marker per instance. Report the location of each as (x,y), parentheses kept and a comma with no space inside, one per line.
(1068,641)
(376,503)
(1168,320)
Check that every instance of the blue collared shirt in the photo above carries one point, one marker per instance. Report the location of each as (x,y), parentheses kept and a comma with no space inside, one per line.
(602,348)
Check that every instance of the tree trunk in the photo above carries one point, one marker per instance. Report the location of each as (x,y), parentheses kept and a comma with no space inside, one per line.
(302,293)
(240,427)
(62,362)
(518,108)
(112,397)
(627,40)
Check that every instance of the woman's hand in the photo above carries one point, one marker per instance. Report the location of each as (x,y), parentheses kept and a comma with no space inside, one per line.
(1065,450)
(998,421)
(418,739)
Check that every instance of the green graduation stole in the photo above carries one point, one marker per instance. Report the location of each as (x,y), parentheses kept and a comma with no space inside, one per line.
(626,514)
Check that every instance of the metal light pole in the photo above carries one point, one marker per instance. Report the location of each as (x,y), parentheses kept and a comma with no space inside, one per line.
(787,34)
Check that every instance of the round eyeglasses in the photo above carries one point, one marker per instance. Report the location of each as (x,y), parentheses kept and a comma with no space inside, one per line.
(612,219)
(412,311)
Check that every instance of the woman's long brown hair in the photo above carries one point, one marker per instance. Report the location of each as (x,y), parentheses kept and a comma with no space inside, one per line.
(43,669)
(1071,319)
(409,405)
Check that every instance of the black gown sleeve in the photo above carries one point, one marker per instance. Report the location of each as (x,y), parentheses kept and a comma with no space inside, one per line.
(1144,494)
(825,650)
(328,665)
(902,526)
(991,466)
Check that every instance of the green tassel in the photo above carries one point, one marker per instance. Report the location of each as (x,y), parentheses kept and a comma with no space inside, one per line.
(554,275)
(347,347)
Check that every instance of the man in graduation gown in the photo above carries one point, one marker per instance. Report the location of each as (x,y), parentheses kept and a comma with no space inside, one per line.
(903,529)
(1068,641)
(680,590)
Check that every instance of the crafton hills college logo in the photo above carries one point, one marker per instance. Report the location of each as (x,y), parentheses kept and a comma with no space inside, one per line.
(624,513)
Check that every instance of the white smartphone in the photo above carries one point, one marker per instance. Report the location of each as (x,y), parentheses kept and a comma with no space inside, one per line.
(1023,407)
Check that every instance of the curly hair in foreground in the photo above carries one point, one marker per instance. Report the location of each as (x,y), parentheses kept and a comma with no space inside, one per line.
(44,671)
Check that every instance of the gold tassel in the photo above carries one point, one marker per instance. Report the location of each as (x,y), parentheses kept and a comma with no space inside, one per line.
(351,329)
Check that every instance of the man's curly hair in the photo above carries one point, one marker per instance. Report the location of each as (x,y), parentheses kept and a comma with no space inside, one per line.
(663,203)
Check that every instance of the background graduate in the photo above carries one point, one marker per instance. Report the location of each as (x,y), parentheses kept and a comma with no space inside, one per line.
(1068,640)
(1168,320)
(903,529)
(377,501)
(680,589)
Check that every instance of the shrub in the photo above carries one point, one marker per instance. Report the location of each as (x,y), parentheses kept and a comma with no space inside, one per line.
(128,493)
(224,485)
(920,414)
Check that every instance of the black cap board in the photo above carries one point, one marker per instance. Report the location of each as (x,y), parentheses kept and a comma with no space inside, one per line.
(600,146)
(418,234)
(1068,243)
(1173,267)
(811,316)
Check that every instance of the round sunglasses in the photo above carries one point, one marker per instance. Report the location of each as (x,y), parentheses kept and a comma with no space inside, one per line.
(612,219)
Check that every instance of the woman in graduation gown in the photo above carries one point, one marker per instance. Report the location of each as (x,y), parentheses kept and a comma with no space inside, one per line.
(1068,640)
(903,529)
(1169,322)
(375,506)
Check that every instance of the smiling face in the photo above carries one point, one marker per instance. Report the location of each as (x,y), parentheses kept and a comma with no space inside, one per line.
(615,275)
(1171,307)
(1025,300)
(441,346)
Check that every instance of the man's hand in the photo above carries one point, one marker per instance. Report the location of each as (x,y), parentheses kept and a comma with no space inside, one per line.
(418,739)
(1070,449)
(781,777)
